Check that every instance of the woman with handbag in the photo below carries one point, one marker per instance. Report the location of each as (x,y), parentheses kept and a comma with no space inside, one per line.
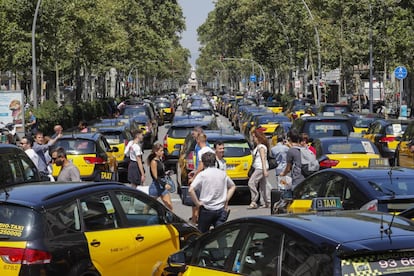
(159,186)
(257,181)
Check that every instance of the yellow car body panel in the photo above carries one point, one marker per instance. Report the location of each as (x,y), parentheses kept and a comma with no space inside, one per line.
(238,167)
(352,161)
(127,256)
(203,271)
(276,109)
(172,142)
(120,156)
(167,109)
(392,145)
(86,169)
(299,206)
(7,269)
(360,129)
(270,128)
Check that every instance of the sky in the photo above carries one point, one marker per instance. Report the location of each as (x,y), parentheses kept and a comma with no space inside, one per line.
(195,13)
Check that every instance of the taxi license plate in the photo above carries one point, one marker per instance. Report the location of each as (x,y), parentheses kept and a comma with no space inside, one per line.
(106,175)
(231,167)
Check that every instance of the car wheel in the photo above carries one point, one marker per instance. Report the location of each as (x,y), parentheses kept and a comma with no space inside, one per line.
(83,268)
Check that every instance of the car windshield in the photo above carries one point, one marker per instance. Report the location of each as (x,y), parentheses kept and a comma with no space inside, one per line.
(17,223)
(392,185)
(77,146)
(236,149)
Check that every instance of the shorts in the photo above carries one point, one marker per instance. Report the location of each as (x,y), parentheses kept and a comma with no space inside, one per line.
(134,175)
(155,190)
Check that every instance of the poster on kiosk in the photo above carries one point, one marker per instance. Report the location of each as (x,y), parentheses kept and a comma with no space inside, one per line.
(11,114)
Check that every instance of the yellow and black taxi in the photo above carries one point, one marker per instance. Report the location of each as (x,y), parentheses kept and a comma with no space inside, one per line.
(85,228)
(275,107)
(267,123)
(117,137)
(165,108)
(345,152)
(361,122)
(383,134)
(92,154)
(403,156)
(16,166)
(386,189)
(237,153)
(324,126)
(280,131)
(346,243)
(175,137)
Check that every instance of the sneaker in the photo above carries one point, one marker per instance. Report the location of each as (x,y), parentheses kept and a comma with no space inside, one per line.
(252,206)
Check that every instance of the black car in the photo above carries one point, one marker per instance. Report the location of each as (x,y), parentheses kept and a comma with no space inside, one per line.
(16,166)
(316,244)
(85,228)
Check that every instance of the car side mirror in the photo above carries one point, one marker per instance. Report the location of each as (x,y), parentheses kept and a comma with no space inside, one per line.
(176,263)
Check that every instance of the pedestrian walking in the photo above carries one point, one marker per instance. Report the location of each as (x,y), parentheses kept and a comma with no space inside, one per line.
(215,189)
(136,173)
(26,143)
(42,148)
(32,125)
(293,159)
(68,171)
(258,180)
(159,186)
(220,161)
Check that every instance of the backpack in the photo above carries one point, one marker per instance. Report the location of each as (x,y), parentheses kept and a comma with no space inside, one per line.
(309,164)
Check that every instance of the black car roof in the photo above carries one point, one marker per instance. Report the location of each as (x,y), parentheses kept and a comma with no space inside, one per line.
(371,173)
(37,195)
(190,123)
(79,135)
(325,118)
(216,135)
(350,231)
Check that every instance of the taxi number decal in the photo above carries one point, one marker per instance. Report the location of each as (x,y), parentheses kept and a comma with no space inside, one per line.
(106,175)
(10,267)
(11,229)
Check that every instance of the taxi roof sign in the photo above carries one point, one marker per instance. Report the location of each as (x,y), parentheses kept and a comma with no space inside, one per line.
(326,204)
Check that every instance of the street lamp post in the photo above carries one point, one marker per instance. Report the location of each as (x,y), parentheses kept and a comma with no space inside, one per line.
(319,49)
(34,76)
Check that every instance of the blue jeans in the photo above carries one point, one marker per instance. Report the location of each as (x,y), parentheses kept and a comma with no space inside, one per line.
(155,190)
(206,218)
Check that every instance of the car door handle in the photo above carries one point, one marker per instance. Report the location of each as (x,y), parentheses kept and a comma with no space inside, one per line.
(95,243)
(139,238)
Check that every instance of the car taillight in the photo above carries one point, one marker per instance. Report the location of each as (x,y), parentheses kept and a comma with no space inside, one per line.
(328,163)
(387,139)
(166,141)
(370,206)
(94,160)
(190,161)
(24,256)
(261,129)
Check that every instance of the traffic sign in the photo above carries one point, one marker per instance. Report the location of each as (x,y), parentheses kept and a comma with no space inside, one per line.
(400,72)
(253,78)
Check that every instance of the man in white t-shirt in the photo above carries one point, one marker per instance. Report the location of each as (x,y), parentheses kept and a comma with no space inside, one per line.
(26,144)
(136,173)
(220,162)
(202,143)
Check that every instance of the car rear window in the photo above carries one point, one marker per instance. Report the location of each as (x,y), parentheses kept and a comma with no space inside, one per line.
(201,112)
(319,129)
(338,147)
(134,111)
(392,185)
(18,223)
(395,129)
(337,109)
(236,149)
(274,119)
(114,138)
(163,105)
(363,122)
(77,146)
(179,132)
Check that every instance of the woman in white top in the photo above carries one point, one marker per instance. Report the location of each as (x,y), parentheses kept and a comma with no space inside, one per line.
(257,181)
